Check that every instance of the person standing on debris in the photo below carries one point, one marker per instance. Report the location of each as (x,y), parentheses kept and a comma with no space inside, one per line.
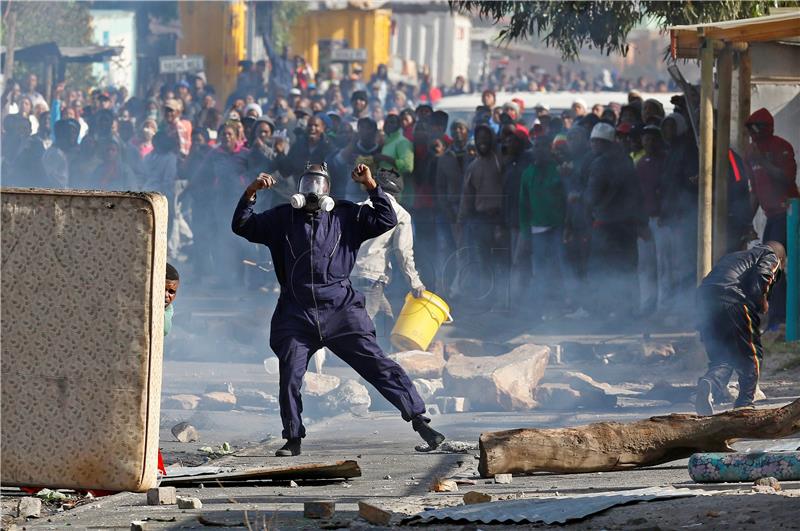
(730,299)
(373,269)
(314,243)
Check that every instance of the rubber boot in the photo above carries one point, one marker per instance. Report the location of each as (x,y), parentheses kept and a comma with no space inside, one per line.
(428,434)
(704,399)
(290,449)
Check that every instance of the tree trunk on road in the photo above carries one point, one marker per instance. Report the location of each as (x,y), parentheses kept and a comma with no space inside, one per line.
(607,446)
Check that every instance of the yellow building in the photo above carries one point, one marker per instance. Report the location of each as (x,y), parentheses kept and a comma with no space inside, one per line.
(369,29)
(215,30)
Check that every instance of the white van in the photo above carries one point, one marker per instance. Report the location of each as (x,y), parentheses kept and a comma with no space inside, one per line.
(463,106)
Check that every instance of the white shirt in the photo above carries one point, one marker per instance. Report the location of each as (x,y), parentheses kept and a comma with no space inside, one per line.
(374,260)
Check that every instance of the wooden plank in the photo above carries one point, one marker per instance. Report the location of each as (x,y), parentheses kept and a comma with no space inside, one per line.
(337,470)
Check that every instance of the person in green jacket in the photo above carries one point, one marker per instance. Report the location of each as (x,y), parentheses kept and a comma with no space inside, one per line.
(542,212)
(397,152)
(171,291)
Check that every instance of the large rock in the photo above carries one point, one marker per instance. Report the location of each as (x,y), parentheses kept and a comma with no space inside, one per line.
(557,396)
(594,394)
(218,401)
(427,388)
(180,402)
(351,397)
(497,383)
(420,364)
(317,385)
(185,432)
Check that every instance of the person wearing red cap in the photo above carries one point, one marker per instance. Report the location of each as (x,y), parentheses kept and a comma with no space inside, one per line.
(774,170)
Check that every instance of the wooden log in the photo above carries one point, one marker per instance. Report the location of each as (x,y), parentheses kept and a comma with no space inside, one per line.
(607,446)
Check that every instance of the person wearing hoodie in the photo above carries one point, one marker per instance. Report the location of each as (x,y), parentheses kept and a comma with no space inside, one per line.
(448,183)
(542,212)
(774,171)
(614,199)
(480,212)
(678,206)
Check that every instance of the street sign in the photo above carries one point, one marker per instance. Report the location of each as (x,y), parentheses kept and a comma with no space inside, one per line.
(357,55)
(180,64)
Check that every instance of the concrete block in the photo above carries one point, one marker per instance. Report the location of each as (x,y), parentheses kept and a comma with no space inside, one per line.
(319,509)
(503,479)
(317,385)
(453,404)
(420,364)
(162,496)
(140,525)
(29,507)
(374,514)
(189,503)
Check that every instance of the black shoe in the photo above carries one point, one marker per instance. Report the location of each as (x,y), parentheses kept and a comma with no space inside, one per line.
(290,449)
(428,434)
(704,401)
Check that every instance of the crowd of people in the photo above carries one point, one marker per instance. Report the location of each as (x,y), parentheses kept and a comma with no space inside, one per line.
(588,211)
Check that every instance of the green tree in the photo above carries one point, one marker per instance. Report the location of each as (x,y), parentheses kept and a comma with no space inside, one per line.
(65,23)
(283,17)
(603,24)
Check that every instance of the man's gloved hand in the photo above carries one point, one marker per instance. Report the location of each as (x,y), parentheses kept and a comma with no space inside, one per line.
(419,292)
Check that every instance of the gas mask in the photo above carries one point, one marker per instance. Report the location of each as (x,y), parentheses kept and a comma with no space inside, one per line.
(314,189)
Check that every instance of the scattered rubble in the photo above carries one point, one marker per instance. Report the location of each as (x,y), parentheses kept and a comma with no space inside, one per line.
(162,496)
(444,485)
(218,401)
(453,404)
(472,497)
(770,482)
(503,479)
(185,432)
(317,385)
(420,364)
(319,509)
(224,387)
(186,402)
(29,507)
(557,396)
(222,449)
(427,388)
(256,398)
(189,503)
(350,396)
(140,525)
(497,383)
(374,514)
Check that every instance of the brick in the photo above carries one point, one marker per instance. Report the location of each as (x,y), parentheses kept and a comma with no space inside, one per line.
(162,496)
(189,503)
(374,514)
(473,497)
(319,509)
(503,479)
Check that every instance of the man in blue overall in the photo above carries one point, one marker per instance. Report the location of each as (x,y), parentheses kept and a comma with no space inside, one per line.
(314,242)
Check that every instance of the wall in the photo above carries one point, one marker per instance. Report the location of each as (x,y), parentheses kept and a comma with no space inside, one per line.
(360,28)
(116,28)
(215,30)
(435,38)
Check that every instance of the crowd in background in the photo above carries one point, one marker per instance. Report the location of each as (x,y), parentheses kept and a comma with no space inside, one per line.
(589,211)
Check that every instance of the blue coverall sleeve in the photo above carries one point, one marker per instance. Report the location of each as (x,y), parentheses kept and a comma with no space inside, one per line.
(256,228)
(374,221)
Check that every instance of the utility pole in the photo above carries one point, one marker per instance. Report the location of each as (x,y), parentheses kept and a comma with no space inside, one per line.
(705,176)
(723,136)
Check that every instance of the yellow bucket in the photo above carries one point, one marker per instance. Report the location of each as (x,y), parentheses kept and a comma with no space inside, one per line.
(419,320)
